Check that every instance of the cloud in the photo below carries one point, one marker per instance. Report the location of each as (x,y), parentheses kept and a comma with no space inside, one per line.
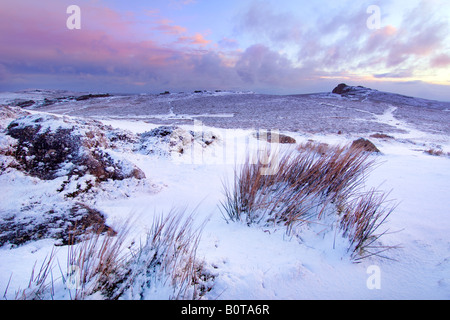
(340,41)
(394,74)
(228,43)
(165,26)
(420,34)
(116,51)
(261,65)
(196,39)
(264,23)
(440,61)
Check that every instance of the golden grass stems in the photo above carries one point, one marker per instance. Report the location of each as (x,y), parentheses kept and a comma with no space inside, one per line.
(101,265)
(168,256)
(307,181)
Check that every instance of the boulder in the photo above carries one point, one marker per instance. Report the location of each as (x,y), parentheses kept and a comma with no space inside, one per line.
(341,88)
(174,141)
(365,145)
(275,137)
(49,147)
(353,92)
(66,222)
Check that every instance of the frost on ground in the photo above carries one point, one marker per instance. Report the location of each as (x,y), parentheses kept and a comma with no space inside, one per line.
(71,162)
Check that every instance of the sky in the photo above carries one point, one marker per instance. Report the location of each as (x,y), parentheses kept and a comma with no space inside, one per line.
(265,46)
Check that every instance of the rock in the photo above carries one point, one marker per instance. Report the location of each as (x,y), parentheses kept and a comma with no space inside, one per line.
(166,139)
(341,88)
(275,138)
(353,92)
(24,104)
(67,222)
(92,96)
(43,152)
(173,141)
(381,136)
(8,114)
(162,131)
(364,144)
(49,147)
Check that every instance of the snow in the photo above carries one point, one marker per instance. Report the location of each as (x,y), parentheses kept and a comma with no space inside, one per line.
(265,263)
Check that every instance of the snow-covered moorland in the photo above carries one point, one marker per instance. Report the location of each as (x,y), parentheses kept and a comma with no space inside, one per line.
(149,176)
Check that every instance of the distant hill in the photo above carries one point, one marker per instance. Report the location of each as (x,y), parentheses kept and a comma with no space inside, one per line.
(362,93)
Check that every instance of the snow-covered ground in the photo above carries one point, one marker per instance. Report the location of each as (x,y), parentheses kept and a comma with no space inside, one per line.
(251,262)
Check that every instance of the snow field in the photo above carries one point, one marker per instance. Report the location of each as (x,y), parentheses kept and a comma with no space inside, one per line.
(251,263)
(264,263)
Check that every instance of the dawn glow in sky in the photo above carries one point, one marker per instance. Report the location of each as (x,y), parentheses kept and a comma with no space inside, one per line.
(267,46)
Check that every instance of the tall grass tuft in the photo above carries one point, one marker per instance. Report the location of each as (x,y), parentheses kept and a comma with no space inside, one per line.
(166,262)
(360,221)
(307,182)
(96,264)
(101,267)
(306,177)
(39,286)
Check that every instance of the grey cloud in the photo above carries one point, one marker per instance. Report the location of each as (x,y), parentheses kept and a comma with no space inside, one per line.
(261,65)
(264,23)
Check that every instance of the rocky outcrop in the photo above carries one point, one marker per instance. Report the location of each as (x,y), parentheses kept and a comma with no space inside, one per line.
(352,91)
(48,147)
(68,223)
(341,88)
(73,160)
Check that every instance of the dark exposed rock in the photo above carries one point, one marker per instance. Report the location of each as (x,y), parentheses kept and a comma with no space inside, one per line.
(68,224)
(341,88)
(161,131)
(24,104)
(47,152)
(43,153)
(91,96)
(358,92)
(53,100)
(365,144)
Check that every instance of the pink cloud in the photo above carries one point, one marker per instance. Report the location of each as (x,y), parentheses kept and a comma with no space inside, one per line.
(165,26)
(111,50)
(440,61)
(117,49)
(197,39)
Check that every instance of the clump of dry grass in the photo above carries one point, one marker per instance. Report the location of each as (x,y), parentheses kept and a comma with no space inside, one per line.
(166,259)
(435,152)
(96,263)
(304,178)
(360,220)
(307,181)
(101,266)
(39,286)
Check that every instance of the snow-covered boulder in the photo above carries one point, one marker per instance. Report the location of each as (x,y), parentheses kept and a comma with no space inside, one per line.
(174,140)
(49,146)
